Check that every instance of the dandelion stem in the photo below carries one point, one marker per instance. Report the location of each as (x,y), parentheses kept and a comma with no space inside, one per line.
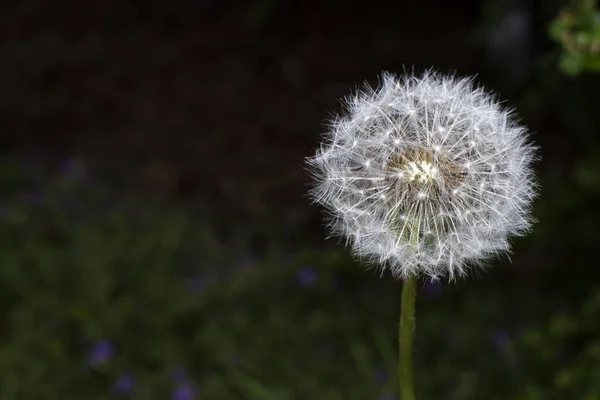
(405,339)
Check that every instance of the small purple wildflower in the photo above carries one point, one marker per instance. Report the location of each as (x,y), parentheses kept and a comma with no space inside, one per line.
(307,276)
(380,376)
(72,168)
(505,344)
(186,391)
(123,384)
(432,289)
(178,374)
(101,351)
(389,397)
(501,338)
(200,282)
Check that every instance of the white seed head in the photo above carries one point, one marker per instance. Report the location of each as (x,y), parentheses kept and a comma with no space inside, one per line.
(425,175)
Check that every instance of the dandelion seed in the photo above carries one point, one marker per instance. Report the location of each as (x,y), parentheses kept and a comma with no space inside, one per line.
(453,168)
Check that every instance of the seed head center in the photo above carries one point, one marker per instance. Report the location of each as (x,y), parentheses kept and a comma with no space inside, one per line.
(420,171)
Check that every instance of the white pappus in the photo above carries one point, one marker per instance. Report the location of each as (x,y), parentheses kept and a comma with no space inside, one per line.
(426,175)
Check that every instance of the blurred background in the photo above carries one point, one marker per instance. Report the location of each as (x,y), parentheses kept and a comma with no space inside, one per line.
(156,240)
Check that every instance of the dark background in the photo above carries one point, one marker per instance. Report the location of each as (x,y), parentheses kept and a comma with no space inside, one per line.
(157,239)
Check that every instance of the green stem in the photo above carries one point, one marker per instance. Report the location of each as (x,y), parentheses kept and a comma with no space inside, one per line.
(405,339)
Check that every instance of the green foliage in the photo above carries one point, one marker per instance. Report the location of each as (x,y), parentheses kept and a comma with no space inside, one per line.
(559,353)
(563,356)
(95,288)
(577,30)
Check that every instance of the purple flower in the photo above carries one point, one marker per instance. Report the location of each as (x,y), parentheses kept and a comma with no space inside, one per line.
(123,384)
(432,289)
(380,376)
(307,276)
(100,352)
(389,397)
(501,338)
(178,374)
(505,345)
(185,391)
(200,282)
(72,168)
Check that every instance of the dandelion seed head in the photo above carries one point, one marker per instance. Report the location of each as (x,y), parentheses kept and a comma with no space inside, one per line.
(426,175)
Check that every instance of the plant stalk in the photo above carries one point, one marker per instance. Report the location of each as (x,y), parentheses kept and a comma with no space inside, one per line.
(405,339)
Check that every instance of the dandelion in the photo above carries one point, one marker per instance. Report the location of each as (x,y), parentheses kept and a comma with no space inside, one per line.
(425,176)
